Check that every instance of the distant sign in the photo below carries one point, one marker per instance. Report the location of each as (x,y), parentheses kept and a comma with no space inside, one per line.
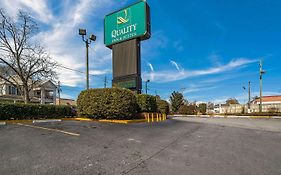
(128,23)
(130,83)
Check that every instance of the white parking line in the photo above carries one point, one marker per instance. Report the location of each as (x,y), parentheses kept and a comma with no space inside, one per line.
(50,129)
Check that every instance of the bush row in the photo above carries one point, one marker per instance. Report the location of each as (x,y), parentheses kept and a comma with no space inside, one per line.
(117,103)
(19,111)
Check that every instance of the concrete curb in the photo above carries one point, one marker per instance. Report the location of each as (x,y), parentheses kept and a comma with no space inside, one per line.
(2,123)
(47,121)
(30,121)
(230,116)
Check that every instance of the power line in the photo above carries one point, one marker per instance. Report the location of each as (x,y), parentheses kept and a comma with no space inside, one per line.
(79,71)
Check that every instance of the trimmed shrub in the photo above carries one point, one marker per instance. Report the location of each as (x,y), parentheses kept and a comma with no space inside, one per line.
(20,111)
(162,106)
(187,110)
(108,103)
(146,103)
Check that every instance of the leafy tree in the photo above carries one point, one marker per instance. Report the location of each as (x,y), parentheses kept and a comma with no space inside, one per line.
(24,63)
(231,101)
(176,100)
(203,108)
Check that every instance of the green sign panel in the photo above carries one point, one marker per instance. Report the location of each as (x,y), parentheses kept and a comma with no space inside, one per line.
(128,23)
(131,83)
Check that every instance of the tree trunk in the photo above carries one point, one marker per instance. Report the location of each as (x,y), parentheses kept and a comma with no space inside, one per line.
(26,94)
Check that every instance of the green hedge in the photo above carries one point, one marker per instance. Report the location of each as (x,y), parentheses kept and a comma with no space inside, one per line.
(108,103)
(146,103)
(188,109)
(162,106)
(19,111)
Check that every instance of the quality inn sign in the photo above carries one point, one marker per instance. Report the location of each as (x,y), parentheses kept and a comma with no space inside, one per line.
(128,23)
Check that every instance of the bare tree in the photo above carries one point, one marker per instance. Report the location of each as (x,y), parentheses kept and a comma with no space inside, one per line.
(20,58)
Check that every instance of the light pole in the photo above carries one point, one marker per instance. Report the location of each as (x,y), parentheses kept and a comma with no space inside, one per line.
(249,95)
(147,81)
(261,73)
(245,100)
(87,41)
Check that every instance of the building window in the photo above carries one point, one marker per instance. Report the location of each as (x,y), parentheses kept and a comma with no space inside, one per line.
(12,90)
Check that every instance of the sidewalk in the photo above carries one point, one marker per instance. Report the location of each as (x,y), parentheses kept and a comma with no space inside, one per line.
(227,116)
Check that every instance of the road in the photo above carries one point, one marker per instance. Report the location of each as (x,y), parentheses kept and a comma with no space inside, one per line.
(177,146)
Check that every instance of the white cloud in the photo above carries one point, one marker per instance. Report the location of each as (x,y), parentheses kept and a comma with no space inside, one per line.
(169,76)
(198,88)
(100,72)
(151,67)
(151,71)
(61,34)
(175,64)
(66,96)
(38,8)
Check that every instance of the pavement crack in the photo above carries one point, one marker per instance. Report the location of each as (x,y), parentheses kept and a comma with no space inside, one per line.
(186,135)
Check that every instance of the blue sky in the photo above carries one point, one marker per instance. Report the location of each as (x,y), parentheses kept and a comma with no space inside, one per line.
(206,49)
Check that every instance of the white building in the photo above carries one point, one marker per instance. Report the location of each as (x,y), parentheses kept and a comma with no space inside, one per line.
(43,92)
(269,104)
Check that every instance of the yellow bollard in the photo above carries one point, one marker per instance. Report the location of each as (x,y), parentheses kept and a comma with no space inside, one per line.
(152,117)
(147,117)
(162,115)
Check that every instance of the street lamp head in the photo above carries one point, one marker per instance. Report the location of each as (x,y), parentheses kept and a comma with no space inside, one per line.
(148,81)
(93,37)
(82,32)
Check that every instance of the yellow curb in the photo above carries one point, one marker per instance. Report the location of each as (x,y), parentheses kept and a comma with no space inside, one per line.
(108,121)
(84,119)
(261,117)
(123,121)
(78,119)
(17,121)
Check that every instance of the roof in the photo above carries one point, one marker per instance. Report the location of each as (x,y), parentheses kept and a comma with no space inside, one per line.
(41,83)
(274,98)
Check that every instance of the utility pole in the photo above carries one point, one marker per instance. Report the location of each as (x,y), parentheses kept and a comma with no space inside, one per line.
(105,82)
(249,100)
(59,90)
(261,73)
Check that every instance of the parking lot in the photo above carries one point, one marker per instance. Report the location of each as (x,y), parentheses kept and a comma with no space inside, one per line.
(185,146)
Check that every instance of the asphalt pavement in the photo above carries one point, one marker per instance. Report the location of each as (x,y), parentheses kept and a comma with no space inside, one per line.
(176,146)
